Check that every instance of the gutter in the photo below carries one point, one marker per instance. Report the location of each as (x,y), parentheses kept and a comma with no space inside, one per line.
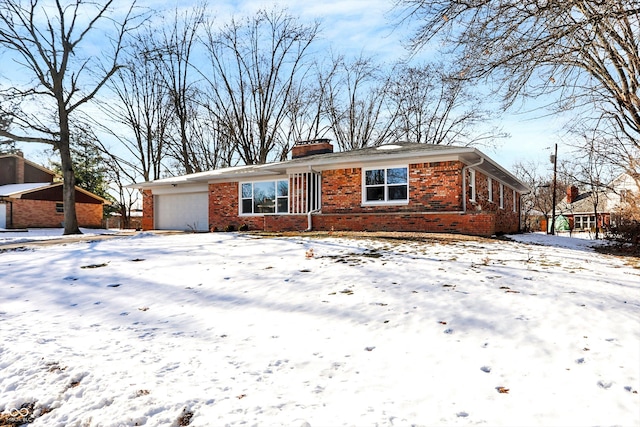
(464,183)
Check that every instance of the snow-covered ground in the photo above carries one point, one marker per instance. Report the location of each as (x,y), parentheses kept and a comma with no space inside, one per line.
(230,329)
(38,234)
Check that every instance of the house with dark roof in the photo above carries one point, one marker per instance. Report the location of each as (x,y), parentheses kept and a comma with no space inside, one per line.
(586,210)
(393,187)
(30,197)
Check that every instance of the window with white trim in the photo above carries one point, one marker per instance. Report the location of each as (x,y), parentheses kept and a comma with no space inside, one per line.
(514,200)
(490,189)
(388,185)
(584,222)
(501,196)
(472,185)
(264,197)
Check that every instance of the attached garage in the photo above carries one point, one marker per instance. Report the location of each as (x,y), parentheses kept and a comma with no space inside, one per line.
(182,211)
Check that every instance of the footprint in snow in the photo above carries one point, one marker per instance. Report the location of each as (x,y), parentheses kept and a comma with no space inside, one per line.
(580,361)
(462,414)
(448,331)
(486,369)
(605,385)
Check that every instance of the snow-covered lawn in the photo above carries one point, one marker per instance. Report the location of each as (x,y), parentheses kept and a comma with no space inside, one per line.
(230,329)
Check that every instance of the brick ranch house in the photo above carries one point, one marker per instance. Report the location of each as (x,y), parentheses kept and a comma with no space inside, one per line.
(395,187)
(29,197)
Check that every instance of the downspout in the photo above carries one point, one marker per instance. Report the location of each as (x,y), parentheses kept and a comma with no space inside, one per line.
(464,183)
(309,223)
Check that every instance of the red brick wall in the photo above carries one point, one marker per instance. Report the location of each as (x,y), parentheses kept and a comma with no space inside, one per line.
(147,210)
(433,187)
(435,205)
(285,222)
(224,208)
(506,219)
(341,190)
(42,214)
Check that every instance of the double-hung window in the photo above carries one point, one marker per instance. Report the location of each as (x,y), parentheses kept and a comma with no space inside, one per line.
(472,185)
(263,197)
(501,196)
(388,185)
(490,189)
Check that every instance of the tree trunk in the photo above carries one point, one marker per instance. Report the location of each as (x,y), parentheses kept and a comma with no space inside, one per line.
(69,178)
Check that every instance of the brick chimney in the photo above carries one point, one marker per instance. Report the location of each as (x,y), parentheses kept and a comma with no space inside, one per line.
(572,193)
(311,147)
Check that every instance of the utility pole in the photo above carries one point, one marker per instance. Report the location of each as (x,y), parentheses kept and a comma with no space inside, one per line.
(554,160)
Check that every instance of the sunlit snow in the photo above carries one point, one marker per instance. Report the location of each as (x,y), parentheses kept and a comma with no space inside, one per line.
(229,329)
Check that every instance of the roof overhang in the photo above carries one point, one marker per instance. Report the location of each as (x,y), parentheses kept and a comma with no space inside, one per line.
(16,191)
(369,157)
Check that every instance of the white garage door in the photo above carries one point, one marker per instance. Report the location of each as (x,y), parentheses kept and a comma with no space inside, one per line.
(187,211)
(3,215)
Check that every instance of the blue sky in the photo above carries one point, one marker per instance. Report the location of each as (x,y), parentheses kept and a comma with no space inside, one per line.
(354,27)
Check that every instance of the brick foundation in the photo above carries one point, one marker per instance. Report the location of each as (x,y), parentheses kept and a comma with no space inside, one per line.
(478,224)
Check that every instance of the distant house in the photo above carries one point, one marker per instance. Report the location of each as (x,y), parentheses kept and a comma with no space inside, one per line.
(580,208)
(29,197)
(394,187)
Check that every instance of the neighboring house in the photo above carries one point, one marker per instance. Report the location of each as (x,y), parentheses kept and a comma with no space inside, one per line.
(29,197)
(580,207)
(395,187)
(579,213)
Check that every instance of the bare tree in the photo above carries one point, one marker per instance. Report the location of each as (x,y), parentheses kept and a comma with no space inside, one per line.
(45,43)
(175,42)
(591,171)
(255,66)
(434,106)
(584,52)
(357,104)
(613,147)
(140,117)
(307,109)
(540,200)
